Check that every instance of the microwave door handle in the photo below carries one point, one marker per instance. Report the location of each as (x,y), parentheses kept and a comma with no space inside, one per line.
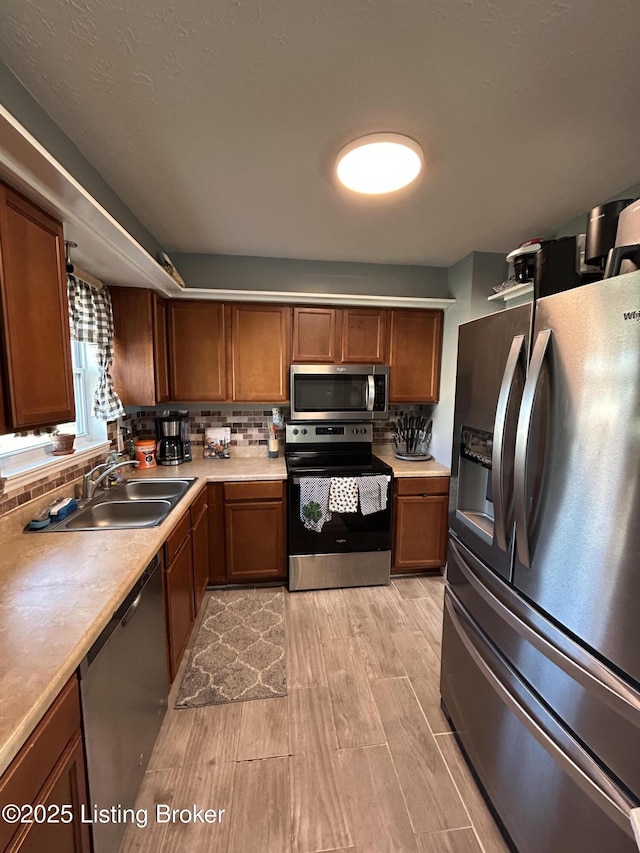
(371,392)
(502,410)
(523,436)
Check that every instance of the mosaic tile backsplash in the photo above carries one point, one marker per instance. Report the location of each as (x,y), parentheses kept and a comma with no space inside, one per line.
(248,426)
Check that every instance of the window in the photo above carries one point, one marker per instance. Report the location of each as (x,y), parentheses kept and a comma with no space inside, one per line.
(26,451)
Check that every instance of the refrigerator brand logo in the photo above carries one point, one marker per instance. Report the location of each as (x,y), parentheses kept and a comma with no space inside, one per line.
(632,315)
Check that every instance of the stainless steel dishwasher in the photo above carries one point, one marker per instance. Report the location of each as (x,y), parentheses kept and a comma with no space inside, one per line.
(124,689)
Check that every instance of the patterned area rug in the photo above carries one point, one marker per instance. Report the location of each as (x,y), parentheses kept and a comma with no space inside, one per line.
(239,650)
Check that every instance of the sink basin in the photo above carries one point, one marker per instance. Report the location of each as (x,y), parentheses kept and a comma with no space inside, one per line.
(140,490)
(134,503)
(117,514)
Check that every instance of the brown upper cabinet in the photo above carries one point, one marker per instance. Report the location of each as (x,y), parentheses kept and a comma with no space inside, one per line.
(198,351)
(415,352)
(260,352)
(364,336)
(36,346)
(339,335)
(140,367)
(315,334)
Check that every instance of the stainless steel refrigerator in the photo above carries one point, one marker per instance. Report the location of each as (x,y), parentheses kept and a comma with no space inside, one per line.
(541,637)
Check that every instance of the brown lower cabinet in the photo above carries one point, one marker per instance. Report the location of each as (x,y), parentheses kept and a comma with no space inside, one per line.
(200,546)
(420,524)
(49,773)
(186,576)
(247,532)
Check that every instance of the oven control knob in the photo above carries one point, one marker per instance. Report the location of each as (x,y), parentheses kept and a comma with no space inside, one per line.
(363,431)
(295,432)
(304,432)
(355,431)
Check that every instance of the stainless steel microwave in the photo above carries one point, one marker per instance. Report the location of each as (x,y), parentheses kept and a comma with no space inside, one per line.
(346,392)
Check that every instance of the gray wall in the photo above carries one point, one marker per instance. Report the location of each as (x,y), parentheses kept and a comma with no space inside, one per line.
(471,282)
(249,273)
(579,224)
(23,107)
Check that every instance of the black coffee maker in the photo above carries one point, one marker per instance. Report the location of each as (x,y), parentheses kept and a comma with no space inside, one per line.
(169,442)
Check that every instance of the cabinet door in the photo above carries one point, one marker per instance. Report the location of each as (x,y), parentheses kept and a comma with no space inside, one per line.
(364,335)
(66,786)
(415,352)
(260,345)
(134,360)
(197,351)
(215,500)
(419,532)
(160,355)
(200,543)
(315,335)
(49,769)
(179,604)
(4,426)
(35,315)
(255,541)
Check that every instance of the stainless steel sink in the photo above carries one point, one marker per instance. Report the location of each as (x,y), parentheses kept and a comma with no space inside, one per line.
(137,490)
(135,503)
(122,514)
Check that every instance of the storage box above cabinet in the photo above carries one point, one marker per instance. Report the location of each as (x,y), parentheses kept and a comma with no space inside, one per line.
(36,346)
(140,369)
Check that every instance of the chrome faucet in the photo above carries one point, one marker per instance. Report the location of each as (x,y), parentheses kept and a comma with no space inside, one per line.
(89,485)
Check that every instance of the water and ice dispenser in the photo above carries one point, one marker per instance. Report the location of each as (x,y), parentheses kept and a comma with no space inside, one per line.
(475,497)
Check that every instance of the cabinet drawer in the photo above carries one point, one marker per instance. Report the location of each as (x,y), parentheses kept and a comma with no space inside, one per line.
(31,767)
(254,491)
(177,537)
(198,506)
(422,486)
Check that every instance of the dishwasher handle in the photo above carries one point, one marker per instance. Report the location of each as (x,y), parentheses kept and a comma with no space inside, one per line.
(128,616)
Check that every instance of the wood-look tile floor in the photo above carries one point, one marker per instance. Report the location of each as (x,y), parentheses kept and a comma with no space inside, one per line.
(357,757)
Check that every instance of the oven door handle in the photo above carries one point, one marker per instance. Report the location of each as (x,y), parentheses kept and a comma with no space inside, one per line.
(371,392)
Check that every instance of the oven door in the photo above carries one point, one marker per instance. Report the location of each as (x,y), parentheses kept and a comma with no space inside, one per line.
(338,392)
(343,533)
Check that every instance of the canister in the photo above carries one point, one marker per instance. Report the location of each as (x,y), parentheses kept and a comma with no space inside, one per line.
(145,452)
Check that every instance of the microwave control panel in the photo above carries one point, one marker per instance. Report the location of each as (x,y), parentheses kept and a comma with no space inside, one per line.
(476,445)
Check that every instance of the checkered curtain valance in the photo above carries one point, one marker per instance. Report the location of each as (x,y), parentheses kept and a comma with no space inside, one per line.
(91,320)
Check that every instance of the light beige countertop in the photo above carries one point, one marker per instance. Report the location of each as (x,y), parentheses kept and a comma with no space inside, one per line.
(401,468)
(59,590)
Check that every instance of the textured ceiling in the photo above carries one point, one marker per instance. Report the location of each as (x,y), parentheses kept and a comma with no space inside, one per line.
(216,120)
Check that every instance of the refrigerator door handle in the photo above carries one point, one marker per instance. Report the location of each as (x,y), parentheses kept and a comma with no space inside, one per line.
(497,456)
(635,825)
(523,435)
(559,744)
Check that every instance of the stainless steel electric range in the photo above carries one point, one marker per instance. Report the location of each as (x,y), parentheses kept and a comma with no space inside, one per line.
(339,506)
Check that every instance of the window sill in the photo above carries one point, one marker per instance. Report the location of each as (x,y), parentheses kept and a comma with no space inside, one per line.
(19,475)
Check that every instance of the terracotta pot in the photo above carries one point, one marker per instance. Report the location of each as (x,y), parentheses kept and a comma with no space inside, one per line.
(62,444)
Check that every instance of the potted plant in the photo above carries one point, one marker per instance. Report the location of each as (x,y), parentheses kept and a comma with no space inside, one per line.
(62,443)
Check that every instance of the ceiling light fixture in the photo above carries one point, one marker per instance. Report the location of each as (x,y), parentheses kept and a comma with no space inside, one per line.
(379,163)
